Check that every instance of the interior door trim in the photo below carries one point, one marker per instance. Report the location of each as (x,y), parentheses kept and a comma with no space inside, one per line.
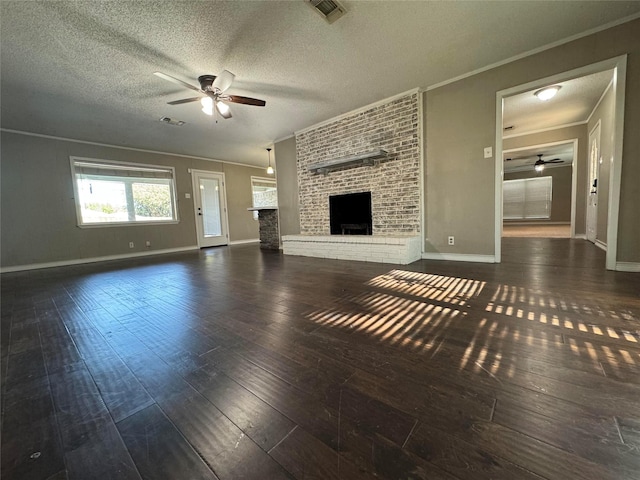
(225,217)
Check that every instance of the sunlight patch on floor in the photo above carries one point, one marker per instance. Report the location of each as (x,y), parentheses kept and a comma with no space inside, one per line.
(453,290)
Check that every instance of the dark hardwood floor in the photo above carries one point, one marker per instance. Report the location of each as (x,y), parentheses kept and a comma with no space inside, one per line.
(233,363)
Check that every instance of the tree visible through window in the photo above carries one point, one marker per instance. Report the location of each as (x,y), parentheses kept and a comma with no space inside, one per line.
(114,193)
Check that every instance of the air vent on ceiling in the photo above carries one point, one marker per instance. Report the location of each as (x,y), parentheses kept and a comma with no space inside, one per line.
(330,10)
(171,121)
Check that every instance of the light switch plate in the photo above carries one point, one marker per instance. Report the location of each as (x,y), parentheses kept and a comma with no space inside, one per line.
(488,152)
(187,195)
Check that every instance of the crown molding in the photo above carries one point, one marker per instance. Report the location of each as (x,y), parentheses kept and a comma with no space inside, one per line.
(97,144)
(541,130)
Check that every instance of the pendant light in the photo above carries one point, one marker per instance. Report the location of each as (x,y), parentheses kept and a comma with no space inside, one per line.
(269,168)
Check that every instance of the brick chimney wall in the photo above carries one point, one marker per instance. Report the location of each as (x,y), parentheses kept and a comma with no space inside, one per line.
(394,183)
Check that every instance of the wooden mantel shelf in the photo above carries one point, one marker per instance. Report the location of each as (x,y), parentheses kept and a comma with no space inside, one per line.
(369,158)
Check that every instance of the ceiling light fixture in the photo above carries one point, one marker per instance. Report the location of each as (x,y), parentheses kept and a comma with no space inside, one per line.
(223,108)
(207,105)
(269,168)
(547,93)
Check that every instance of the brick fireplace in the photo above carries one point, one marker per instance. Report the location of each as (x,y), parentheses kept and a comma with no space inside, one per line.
(394,182)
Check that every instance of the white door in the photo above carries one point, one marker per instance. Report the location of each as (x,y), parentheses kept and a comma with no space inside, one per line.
(211,208)
(592,188)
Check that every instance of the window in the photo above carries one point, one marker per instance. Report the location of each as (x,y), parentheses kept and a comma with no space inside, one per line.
(527,199)
(264,192)
(109,193)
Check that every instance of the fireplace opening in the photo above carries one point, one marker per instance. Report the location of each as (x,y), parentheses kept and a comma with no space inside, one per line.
(350,214)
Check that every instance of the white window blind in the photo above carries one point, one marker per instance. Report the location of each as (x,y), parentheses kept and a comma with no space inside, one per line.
(527,198)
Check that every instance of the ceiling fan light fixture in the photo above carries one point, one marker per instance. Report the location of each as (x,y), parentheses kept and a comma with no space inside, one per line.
(547,93)
(223,108)
(213,89)
(207,105)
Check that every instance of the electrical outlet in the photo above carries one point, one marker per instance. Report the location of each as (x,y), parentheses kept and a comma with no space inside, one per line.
(148,243)
(131,245)
(488,152)
(451,240)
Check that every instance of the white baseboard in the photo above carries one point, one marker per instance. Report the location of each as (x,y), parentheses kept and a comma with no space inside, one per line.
(628,266)
(580,236)
(601,245)
(79,261)
(459,257)
(242,242)
(517,223)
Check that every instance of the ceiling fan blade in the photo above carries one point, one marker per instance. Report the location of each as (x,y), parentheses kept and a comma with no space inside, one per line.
(175,80)
(555,160)
(521,158)
(223,81)
(245,100)
(184,100)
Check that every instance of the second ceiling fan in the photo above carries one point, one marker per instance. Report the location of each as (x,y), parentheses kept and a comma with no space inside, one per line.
(539,165)
(212,93)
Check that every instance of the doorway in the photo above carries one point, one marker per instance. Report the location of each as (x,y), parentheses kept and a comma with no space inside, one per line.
(610,202)
(210,203)
(540,200)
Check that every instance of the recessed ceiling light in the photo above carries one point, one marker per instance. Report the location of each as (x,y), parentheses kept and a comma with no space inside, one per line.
(547,93)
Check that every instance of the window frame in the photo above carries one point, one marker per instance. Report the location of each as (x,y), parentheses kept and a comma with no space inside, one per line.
(119,164)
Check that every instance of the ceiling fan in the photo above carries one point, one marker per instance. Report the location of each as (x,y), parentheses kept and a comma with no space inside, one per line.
(212,93)
(539,165)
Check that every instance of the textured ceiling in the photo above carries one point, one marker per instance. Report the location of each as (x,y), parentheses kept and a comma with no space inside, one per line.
(573,103)
(524,159)
(84,69)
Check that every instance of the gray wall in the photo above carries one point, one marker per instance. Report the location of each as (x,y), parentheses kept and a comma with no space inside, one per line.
(460,122)
(578,132)
(561,192)
(39,223)
(242,225)
(287,177)
(605,113)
